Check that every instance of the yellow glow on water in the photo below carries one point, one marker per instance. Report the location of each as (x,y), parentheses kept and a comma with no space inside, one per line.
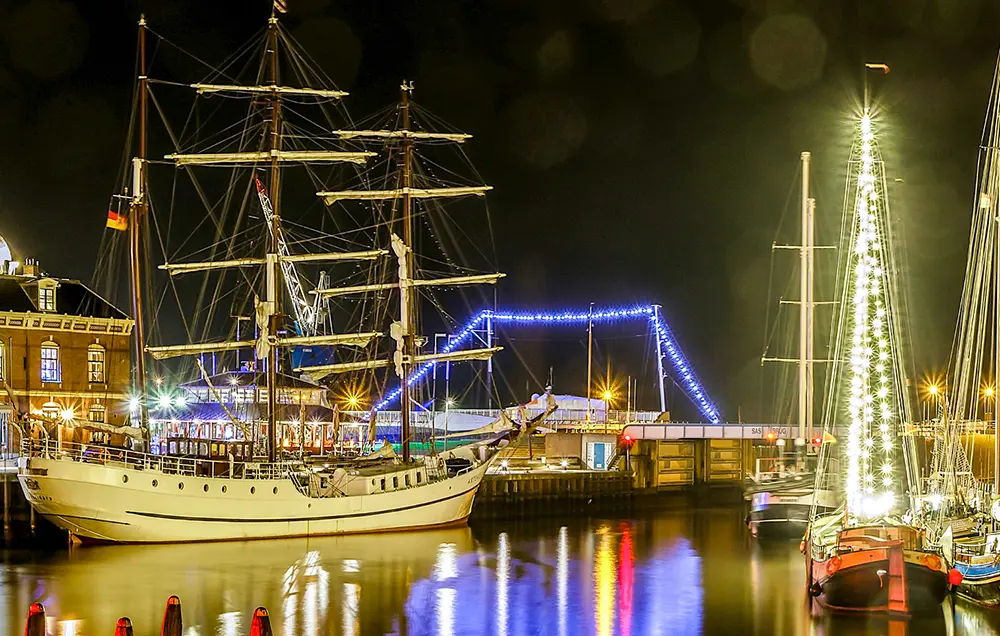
(605,579)
(349,608)
(229,624)
(446,566)
(70,628)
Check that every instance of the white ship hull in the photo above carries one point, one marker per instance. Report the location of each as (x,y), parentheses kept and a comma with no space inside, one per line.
(120,503)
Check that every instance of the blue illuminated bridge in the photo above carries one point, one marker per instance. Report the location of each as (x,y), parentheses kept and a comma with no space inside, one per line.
(669,354)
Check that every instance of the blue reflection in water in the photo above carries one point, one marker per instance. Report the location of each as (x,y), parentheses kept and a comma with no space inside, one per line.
(505,589)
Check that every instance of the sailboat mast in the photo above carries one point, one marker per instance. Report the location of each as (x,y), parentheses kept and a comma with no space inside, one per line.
(996,358)
(804,302)
(811,322)
(406,314)
(138,207)
(273,297)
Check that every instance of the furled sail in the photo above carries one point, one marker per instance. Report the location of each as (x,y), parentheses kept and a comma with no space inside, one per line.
(342,339)
(330,197)
(263,156)
(184,268)
(271,89)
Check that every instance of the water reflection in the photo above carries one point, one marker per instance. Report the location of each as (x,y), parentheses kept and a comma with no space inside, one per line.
(676,572)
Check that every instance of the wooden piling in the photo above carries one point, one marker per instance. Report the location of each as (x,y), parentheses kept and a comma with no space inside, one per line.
(124,627)
(261,625)
(35,624)
(172,623)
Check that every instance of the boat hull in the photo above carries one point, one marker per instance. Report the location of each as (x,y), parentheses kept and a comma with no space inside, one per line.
(125,504)
(980,582)
(862,583)
(784,516)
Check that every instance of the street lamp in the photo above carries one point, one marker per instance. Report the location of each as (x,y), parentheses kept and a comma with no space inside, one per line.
(989,395)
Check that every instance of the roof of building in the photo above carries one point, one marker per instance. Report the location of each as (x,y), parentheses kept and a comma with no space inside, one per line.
(250,378)
(72,297)
(248,412)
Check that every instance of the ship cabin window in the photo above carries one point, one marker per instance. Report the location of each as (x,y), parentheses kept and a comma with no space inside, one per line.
(172,448)
(406,480)
(383,485)
(47,296)
(51,368)
(203,449)
(395,483)
(95,364)
(419,477)
(98,414)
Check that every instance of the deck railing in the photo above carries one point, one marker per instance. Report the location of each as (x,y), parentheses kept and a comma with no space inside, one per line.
(167,464)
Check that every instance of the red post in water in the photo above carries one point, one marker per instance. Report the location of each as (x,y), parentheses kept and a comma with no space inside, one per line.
(172,623)
(124,626)
(261,625)
(35,624)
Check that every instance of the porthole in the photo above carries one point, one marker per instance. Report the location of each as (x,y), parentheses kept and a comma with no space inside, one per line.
(224,490)
(124,479)
(253,490)
(154,483)
(180,486)
(206,487)
(275,491)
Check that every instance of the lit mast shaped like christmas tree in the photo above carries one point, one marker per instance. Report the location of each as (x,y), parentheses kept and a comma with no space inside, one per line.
(871,472)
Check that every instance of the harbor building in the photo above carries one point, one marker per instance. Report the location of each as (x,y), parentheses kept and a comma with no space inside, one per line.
(64,353)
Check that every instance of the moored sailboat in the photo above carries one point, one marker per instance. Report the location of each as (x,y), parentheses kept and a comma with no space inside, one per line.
(242,486)
(870,556)
(782,498)
(967,521)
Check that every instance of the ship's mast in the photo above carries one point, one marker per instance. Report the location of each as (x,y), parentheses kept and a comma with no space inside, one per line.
(996,358)
(405,300)
(804,308)
(273,272)
(136,212)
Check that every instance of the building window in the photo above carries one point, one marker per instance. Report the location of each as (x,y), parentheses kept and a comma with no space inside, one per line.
(3,361)
(98,414)
(95,363)
(51,369)
(47,298)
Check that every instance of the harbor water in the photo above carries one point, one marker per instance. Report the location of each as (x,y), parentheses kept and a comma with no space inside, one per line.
(681,569)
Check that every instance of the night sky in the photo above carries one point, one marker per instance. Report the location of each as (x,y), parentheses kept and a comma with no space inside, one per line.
(641,150)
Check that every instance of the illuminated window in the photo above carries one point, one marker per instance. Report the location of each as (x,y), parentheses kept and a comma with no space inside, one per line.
(51,369)
(3,361)
(98,414)
(47,298)
(95,363)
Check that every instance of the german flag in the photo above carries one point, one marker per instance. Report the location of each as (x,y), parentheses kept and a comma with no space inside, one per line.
(117,221)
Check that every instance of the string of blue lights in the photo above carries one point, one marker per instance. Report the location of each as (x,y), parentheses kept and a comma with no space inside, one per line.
(666,345)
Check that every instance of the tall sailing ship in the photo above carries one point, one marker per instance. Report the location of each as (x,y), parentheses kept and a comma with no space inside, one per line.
(871,555)
(963,504)
(237,481)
